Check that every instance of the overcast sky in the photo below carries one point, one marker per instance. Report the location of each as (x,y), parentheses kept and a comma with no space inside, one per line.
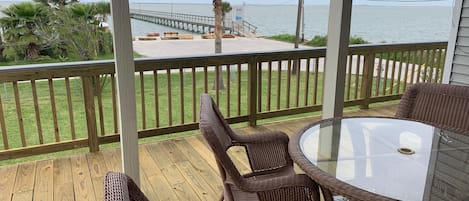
(361,2)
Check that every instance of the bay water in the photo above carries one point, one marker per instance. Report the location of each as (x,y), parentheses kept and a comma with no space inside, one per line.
(376,24)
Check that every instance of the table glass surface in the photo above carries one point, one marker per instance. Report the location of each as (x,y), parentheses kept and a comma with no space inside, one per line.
(400,159)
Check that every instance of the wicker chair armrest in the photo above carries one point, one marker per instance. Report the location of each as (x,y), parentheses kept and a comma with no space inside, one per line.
(256,184)
(120,187)
(262,137)
(267,151)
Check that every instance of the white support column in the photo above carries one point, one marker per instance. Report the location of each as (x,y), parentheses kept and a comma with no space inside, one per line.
(125,70)
(338,34)
(453,36)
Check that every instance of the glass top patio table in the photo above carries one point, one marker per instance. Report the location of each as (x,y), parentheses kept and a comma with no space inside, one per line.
(372,158)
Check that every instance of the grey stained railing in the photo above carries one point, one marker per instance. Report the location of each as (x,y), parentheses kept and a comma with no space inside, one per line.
(54,107)
(178,20)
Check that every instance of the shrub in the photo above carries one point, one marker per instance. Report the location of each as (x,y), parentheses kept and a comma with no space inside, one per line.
(290,38)
(317,41)
(320,41)
(357,40)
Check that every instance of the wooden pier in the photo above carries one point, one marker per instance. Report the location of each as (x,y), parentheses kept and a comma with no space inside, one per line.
(192,23)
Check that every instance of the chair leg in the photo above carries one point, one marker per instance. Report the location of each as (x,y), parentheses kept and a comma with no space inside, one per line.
(327,194)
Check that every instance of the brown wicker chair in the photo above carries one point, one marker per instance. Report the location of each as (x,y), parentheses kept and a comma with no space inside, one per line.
(442,105)
(120,187)
(272,176)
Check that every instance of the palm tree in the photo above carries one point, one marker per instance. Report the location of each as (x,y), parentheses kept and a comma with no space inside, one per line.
(103,9)
(20,29)
(217,9)
(78,28)
(56,3)
(225,8)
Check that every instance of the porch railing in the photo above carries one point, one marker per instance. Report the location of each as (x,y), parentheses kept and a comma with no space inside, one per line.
(63,106)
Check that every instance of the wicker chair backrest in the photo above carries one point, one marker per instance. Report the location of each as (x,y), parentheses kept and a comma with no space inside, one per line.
(440,104)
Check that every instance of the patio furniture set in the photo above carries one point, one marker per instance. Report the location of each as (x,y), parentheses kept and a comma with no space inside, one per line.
(420,154)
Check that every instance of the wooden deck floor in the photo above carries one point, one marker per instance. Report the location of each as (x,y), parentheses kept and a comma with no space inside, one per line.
(176,169)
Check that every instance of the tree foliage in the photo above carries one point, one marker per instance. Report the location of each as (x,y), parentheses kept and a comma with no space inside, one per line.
(21,28)
(61,29)
(56,3)
(225,8)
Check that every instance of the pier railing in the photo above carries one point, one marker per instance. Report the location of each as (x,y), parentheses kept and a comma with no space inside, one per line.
(55,107)
(177,16)
(189,22)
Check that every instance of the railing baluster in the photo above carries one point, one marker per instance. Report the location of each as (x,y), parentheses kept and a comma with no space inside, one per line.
(323,80)
(205,79)
(349,77)
(420,66)
(170,107)
(378,76)
(194,97)
(239,90)
(287,89)
(357,76)
(252,92)
(217,84)
(386,68)
(228,90)
(181,94)
(443,57)
(437,70)
(70,109)
(316,76)
(54,109)
(298,76)
(37,112)
(279,83)
(142,99)
(406,71)
(156,99)
(114,103)
(414,61)
(100,105)
(393,70)
(269,85)
(432,65)
(308,68)
(259,87)
(19,113)
(398,85)
(427,65)
(3,126)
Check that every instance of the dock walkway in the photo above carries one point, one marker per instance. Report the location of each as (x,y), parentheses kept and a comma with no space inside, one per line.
(192,23)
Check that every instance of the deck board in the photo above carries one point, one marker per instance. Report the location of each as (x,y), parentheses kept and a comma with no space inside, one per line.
(98,169)
(24,184)
(44,181)
(170,170)
(83,186)
(175,169)
(7,181)
(157,186)
(63,184)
